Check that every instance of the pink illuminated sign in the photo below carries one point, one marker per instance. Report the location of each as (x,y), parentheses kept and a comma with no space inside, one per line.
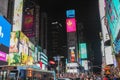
(71,25)
(2,56)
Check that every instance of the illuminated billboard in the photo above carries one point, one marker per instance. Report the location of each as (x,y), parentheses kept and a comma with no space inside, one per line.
(70,13)
(29,21)
(18,51)
(71,44)
(14,41)
(85,64)
(31,45)
(5,29)
(71,24)
(24,40)
(2,56)
(113,17)
(17,17)
(43,58)
(108,55)
(83,50)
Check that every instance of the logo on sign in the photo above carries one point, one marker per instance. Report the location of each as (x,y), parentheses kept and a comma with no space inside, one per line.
(1,33)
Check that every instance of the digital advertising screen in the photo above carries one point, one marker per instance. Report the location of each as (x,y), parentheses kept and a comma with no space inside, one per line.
(3,56)
(17,16)
(14,40)
(71,24)
(43,58)
(29,22)
(31,52)
(23,52)
(70,13)
(83,50)
(13,59)
(31,45)
(36,54)
(5,29)
(85,64)
(24,40)
(113,17)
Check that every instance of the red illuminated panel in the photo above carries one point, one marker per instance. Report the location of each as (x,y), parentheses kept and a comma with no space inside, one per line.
(71,25)
(51,62)
(2,56)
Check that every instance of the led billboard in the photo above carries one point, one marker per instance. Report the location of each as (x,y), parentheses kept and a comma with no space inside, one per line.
(113,17)
(18,51)
(43,58)
(85,64)
(29,21)
(17,17)
(31,45)
(24,40)
(2,56)
(71,24)
(83,50)
(70,13)
(5,29)
(14,41)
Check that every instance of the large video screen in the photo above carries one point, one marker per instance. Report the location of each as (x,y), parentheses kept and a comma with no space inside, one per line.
(83,50)
(5,29)
(71,24)
(113,17)
(70,13)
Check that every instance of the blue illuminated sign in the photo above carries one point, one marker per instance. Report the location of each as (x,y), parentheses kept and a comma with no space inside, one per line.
(70,13)
(5,29)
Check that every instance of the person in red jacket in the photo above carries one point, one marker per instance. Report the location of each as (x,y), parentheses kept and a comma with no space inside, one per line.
(105,78)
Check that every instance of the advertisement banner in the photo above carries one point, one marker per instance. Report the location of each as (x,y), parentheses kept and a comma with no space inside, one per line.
(70,13)
(28,22)
(71,24)
(5,29)
(71,52)
(112,15)
(14,59)
(71,43)
(23,52)
(83,50)
(14,42)
(2,56)
(43,58)
(24,40)
(108,55)
(17,17)
(85,64)
(31,45)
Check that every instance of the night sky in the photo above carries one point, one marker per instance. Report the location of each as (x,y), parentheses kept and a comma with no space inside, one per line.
(87,13)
